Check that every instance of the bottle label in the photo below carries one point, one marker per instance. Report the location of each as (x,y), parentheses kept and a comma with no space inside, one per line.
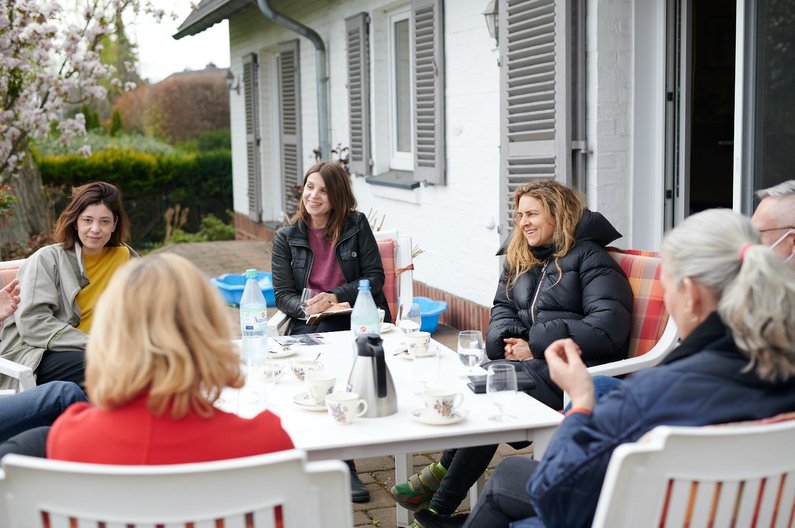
(254,319)
(366,327)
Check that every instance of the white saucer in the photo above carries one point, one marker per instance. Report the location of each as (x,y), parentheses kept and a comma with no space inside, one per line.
(302,400)
(387,327)
(429,418)
(282,353)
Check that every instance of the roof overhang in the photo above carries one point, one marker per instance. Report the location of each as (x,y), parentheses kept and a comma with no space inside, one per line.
(207,14)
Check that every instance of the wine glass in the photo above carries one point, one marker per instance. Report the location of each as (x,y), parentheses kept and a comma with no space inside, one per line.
(501,390)
(306,295)
(426,366)
(470,349)
(410,319)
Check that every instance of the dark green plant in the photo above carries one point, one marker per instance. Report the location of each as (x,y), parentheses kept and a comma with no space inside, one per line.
(116,125)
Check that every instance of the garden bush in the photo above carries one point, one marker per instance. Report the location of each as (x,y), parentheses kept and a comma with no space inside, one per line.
(151,182)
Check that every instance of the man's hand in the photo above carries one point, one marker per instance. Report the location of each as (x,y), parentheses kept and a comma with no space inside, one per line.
(9,299)
(517,349)
(569,372)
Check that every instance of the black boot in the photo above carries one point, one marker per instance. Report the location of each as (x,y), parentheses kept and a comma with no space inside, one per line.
(431,519)
(359,492)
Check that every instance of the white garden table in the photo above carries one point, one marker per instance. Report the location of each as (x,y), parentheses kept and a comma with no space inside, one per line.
(399,434)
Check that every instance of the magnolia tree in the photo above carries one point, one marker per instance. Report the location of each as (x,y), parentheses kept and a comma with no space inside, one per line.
(50,63)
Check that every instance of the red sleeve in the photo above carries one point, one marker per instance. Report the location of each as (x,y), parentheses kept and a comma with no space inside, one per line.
(275,437)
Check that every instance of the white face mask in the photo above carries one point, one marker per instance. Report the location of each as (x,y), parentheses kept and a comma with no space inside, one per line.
(780,240)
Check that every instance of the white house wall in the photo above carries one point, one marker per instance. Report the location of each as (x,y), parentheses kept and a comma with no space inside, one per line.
(454,224)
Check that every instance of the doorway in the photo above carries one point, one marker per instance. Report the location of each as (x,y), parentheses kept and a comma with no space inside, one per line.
(700,77)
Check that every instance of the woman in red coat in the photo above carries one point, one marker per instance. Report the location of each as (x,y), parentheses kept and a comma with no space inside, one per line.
(159,354)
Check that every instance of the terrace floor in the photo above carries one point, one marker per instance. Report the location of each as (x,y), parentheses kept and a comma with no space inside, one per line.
(216,258)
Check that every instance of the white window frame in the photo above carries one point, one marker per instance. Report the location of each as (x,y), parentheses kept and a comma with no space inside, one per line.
(399,160)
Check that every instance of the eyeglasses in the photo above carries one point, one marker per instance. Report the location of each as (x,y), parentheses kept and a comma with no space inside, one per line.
(776,229)
(791,231)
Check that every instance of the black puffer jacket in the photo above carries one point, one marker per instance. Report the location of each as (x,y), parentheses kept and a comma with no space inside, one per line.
(357,255)
(591,304)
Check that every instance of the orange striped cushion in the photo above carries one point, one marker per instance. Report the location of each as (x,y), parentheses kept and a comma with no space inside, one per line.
(7,274)
(649,315)
(386,246)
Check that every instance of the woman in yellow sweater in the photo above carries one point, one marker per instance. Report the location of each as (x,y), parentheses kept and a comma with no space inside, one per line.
(60,285)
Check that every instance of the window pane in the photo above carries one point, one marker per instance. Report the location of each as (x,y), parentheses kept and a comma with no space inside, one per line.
(774,129)
(402,87)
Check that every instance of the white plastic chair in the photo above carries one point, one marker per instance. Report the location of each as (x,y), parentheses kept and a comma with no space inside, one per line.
(22,373)
(8,271)
(729,475)
(252,491)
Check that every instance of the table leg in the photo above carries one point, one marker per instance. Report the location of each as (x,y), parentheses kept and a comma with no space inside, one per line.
(404,468)
(541,439)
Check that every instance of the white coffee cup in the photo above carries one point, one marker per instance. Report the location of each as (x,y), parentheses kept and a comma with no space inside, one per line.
(418,343)
(319,383)
(343,407)
(301,367)
(381,315)
(272,369)
(442,402)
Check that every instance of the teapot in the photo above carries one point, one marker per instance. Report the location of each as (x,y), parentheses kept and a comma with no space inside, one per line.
(370,377)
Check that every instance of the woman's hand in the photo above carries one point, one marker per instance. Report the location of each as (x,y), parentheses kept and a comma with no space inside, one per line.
(517,349)
(569,372)
(320,302)
(9,299)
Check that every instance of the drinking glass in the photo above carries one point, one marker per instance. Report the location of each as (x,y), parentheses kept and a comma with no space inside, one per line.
(410,319)
(501,390)
(307,294)
(470,349)
(426,367)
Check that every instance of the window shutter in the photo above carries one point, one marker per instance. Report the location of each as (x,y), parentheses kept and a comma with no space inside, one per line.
(535,141)
(429,151)
(357,33)
(253,165)
(289,122)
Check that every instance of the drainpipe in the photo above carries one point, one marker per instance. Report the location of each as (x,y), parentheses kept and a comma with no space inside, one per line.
(322,77)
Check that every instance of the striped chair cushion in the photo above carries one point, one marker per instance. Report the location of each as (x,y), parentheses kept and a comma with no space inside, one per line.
(386,246)
(649,315)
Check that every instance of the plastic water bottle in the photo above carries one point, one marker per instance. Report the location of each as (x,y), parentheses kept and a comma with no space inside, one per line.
(364,317)
(253,321)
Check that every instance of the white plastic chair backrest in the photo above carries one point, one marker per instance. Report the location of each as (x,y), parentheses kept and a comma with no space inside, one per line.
(251,491)
(729,475)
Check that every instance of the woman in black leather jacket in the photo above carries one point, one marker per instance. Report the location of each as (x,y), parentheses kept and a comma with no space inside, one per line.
(558,282)
(328,246)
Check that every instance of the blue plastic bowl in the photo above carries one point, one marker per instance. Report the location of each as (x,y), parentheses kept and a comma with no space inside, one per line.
(430,311)
(231,286)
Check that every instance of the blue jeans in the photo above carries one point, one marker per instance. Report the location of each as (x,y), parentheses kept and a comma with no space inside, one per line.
(36,407)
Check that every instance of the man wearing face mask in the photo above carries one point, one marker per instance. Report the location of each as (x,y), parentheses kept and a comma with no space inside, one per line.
(774,218)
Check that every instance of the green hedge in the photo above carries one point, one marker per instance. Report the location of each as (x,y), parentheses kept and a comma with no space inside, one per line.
(151,182)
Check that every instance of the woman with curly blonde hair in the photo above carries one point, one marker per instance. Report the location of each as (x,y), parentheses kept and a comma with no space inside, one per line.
(558,281)
(160,354)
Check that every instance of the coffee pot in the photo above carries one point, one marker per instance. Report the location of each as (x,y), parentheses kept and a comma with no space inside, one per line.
(370,377)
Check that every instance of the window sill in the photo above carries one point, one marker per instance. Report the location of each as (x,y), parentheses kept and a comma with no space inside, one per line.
(394,178)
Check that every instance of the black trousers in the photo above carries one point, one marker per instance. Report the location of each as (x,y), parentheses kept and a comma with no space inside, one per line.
(69,365)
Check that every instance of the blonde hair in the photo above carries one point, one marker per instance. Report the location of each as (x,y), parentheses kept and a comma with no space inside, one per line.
(566,206)
(720,249)
(160,328)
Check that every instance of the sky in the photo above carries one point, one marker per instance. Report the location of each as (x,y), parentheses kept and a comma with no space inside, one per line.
(159,55)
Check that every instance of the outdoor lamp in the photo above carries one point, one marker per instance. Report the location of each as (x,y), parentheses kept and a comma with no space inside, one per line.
(492,22)
(232,83)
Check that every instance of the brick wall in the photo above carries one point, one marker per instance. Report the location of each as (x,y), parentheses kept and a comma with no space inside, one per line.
(461,313)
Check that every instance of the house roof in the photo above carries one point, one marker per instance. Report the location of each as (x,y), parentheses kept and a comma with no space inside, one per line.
(209,13)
